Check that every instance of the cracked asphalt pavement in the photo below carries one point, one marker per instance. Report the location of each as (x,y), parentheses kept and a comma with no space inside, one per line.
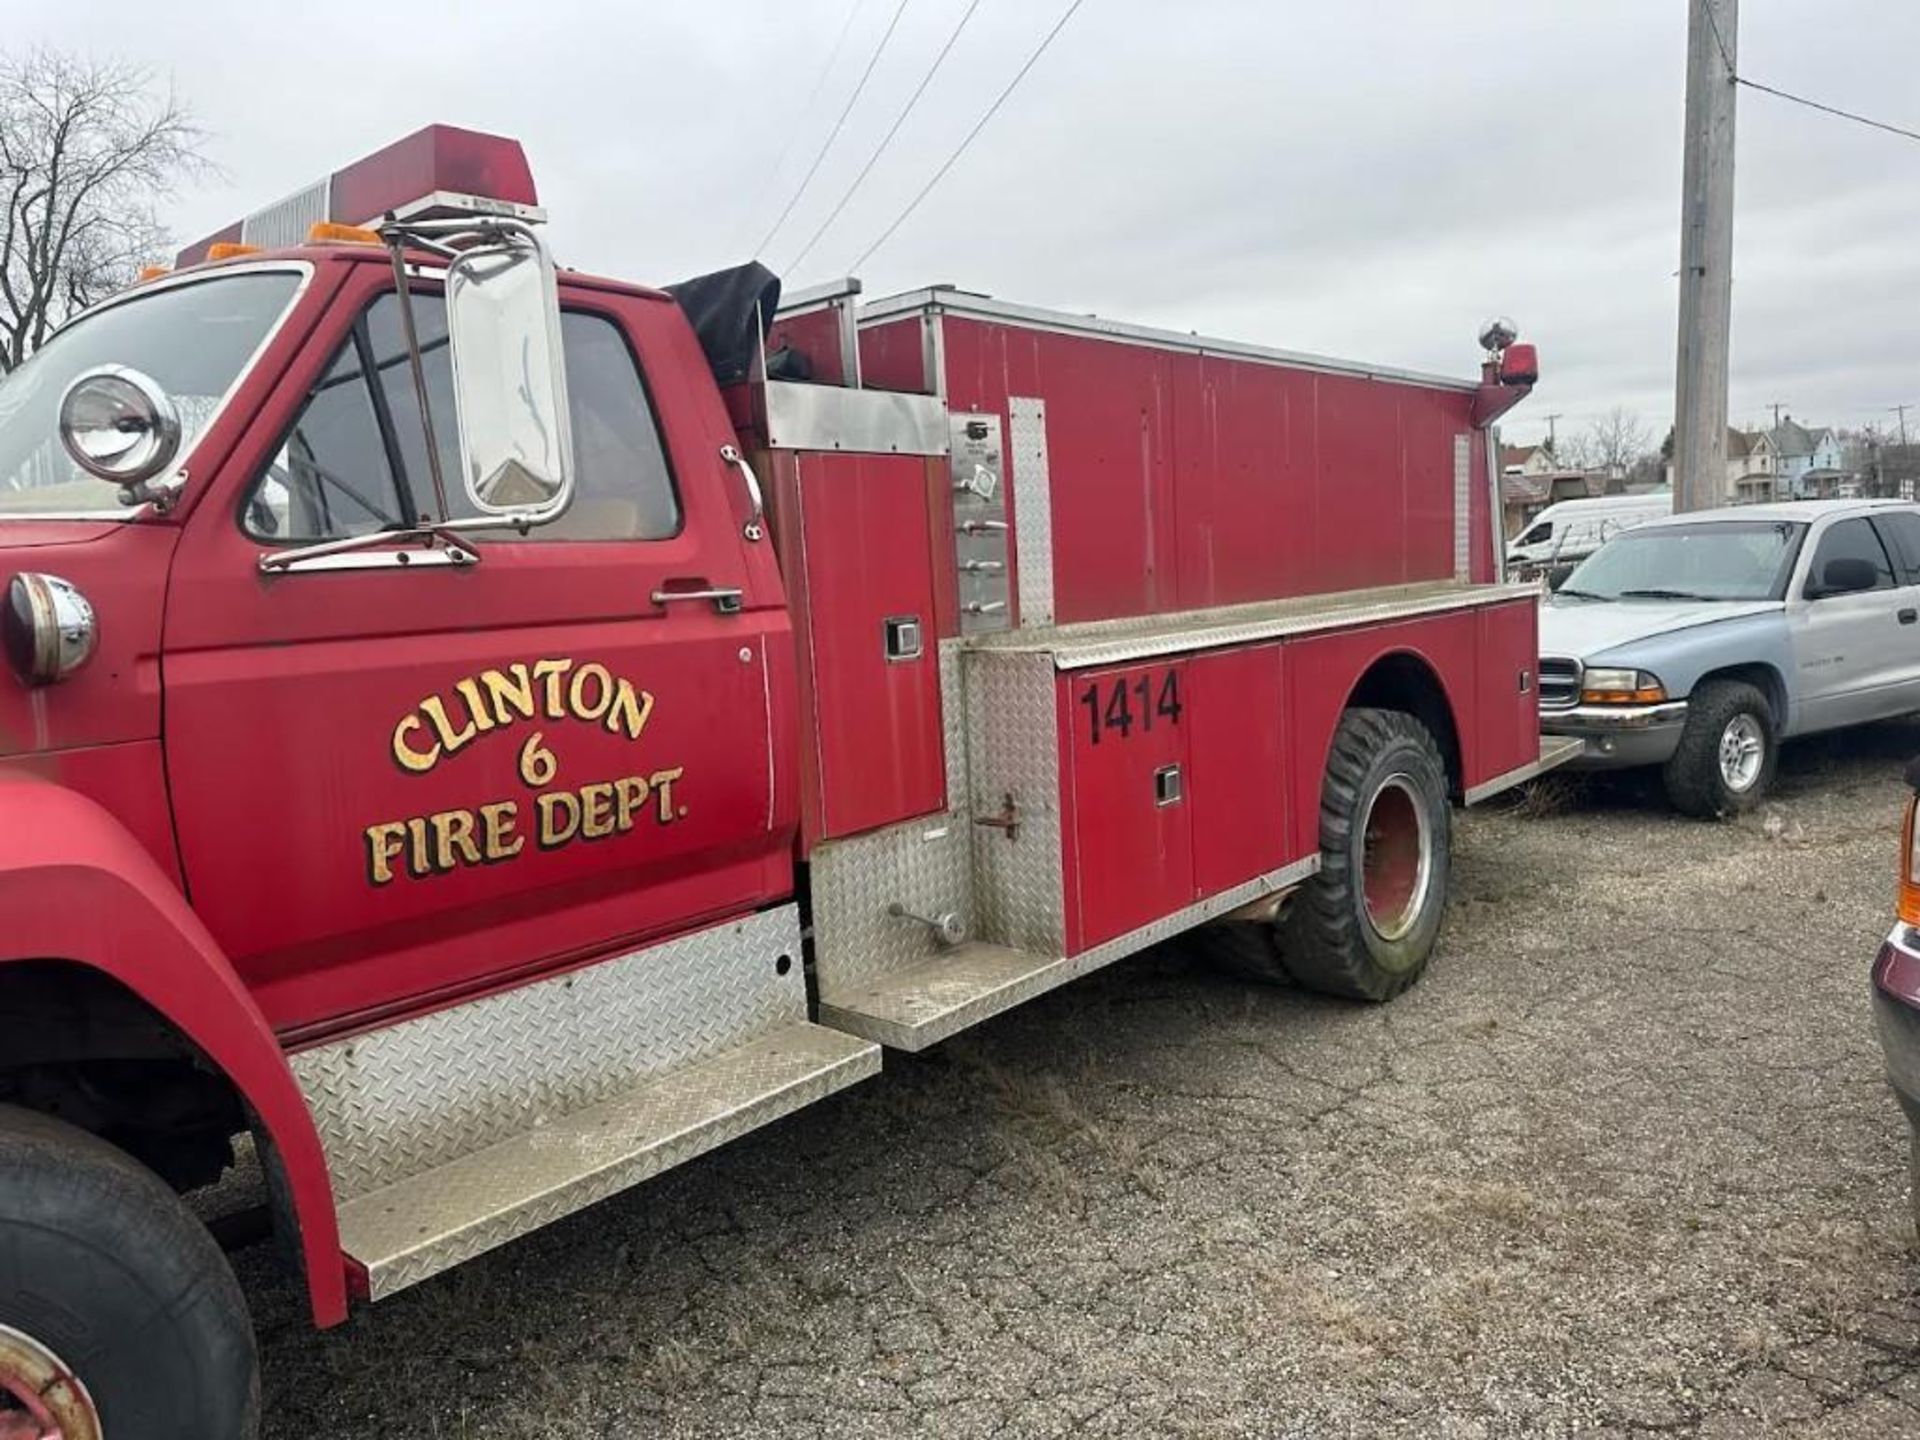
(1622,1163)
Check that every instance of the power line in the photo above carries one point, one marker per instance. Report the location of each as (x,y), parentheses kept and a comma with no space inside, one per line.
(1733,73)
(961,149)
(887,139)
(806,111)
(1828,109)
(834,134)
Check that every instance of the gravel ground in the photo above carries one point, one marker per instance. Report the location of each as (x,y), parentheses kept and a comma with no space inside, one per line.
(1624,1162)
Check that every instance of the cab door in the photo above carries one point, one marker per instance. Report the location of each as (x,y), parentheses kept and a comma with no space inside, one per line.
(1851,648)
(396,778)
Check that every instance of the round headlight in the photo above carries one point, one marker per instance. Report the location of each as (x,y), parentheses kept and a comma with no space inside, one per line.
(1498,333)
(47,627)
(117,423)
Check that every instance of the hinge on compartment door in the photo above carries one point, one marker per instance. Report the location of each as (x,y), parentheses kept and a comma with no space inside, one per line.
(1008,818)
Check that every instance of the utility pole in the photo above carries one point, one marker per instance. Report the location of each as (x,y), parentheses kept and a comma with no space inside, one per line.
(1706,256)
(1553,438)
(1777,406)
(1901,411)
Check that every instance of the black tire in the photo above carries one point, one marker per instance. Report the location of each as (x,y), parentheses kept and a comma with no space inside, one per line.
(1695,780)
(1328,938)
(102,1266)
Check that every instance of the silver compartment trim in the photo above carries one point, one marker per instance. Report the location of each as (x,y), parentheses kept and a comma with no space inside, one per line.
(1113,642)
(867,422)
(1032,510)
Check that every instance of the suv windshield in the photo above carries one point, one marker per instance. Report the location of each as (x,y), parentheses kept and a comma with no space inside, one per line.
(1723,560)
(194,339)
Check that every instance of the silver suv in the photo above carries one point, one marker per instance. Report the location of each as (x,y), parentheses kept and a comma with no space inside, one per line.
(1699,643)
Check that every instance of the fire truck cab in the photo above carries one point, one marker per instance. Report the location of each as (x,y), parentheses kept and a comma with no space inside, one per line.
(481,734)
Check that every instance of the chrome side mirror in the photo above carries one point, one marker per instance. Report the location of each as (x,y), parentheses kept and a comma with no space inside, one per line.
(117,423)
(47,626)
(509,375)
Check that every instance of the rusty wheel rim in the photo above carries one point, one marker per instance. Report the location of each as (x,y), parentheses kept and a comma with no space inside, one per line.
(1396,858)
(40,1398)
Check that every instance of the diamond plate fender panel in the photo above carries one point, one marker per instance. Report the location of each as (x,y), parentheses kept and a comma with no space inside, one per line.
(395,1102)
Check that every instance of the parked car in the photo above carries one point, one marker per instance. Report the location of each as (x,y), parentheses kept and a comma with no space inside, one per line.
(1896,991)
(1699,643)
(1564,534)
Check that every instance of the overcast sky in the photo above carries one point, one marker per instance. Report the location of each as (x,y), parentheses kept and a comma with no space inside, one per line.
(1368,178)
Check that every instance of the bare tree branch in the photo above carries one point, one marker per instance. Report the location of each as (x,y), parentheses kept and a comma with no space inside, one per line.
(88,149)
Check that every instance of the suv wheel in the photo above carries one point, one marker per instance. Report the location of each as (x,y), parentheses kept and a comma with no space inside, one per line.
(1727,751)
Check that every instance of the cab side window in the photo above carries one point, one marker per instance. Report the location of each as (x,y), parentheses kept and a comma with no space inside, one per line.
(1850,540)
(1901,530)
(332,477)
(624,485)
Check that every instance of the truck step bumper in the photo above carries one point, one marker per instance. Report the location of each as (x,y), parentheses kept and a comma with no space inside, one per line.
(922,1005)
(420,1226)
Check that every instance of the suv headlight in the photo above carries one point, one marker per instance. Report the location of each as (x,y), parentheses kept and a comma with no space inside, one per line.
(1601,686)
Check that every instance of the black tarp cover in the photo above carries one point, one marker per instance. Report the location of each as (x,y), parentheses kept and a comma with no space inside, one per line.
(731,311)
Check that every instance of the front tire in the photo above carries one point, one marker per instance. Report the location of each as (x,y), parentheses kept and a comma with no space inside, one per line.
(103,1270)
(1727,752)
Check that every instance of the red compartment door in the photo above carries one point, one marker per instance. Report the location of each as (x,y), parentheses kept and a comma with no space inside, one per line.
(1131,857)
(876,692)
(1236,737)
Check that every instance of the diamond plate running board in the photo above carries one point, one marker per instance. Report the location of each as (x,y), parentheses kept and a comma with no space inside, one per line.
(421,1225)
(922,1003)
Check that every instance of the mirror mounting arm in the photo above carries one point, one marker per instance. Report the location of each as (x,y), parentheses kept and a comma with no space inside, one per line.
(396,249)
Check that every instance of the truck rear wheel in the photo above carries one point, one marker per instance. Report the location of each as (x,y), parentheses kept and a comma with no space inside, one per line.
(1365,925)
(119,1316)
(1727,751)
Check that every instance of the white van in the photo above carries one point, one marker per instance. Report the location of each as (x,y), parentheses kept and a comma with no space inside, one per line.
(1573,529)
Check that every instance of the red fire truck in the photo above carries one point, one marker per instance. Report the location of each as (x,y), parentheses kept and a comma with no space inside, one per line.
(480,734)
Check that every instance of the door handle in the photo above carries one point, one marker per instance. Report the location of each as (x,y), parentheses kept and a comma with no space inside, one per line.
(1907,617)
(726,602)
(753,529)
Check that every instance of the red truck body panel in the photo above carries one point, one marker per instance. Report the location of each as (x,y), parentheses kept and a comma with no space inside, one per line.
(1182,480)
(301,682)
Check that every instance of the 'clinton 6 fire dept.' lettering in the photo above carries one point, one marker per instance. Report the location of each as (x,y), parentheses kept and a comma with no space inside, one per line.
(545,690)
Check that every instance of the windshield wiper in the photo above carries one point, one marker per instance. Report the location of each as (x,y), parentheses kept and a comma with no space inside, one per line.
(1663,595)
(1580,594)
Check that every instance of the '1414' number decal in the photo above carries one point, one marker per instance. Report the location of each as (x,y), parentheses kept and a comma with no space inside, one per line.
(1129,702)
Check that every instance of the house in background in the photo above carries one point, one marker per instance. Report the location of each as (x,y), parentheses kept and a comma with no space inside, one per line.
(1812,463)
(1788,462)
(1527,460)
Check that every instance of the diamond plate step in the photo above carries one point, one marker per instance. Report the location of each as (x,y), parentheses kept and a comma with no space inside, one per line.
(923,1004)
(417,1227)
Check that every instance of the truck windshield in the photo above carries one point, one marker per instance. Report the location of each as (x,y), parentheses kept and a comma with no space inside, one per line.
(195,339)
(1722,560)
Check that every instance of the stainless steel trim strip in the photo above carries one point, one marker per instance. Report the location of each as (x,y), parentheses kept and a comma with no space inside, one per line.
(940,300)
(832,417)
(815,297)
(1555,750)
(1032,509)
(1463,507)
(1109,642)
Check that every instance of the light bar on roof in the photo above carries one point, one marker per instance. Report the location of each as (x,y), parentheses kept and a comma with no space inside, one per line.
(437,172)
